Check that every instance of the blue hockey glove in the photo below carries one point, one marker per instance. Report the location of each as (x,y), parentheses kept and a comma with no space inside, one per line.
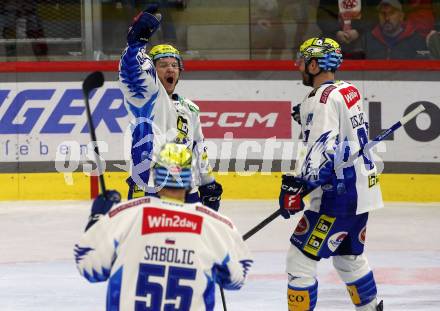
(210,195)
(296,113)
(222,275)
(102,204)
(290,198)
(144,25)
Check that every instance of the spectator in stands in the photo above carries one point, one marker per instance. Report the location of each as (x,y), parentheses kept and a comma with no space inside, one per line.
(21,21)
(433,43)
(426,14)
(393,38)
(331,25)
(300,9)
(420,14)
(268,36)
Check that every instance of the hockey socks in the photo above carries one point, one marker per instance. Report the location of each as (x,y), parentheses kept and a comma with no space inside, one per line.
(302,298)
(363,290)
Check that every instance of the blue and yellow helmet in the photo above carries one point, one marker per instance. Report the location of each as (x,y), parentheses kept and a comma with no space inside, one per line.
(173,167)
(327,52)
(165,50)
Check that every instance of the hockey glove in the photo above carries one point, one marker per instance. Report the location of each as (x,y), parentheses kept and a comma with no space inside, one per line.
(102,204)
(290,199)
(210,195)
(222,275)
(296,113)
(144,25)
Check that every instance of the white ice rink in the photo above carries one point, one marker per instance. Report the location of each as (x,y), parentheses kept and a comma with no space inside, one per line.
(37,271)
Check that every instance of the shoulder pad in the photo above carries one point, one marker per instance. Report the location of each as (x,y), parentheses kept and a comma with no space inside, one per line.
(190,104)
(213,214)
(186,102)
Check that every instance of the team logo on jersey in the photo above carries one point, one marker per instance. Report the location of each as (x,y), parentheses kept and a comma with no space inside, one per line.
(303,226)
(316,157)
(335,240)
(351,95)
(156,220)
(363,235)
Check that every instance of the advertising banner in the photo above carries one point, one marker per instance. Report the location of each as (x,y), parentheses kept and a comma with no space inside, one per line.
(241,119)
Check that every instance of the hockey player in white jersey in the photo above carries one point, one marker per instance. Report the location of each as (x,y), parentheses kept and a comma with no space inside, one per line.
(148,81)
(333,125)
(161,253)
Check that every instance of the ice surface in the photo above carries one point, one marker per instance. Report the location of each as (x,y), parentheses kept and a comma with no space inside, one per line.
(37,271)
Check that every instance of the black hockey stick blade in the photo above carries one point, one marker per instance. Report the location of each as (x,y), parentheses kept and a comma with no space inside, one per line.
(92,81)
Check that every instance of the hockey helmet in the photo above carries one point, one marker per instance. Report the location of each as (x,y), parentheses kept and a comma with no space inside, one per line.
(327,52)
(165,50)
(173,167)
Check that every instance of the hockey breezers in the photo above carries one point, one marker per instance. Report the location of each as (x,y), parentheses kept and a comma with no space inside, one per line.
(350,160)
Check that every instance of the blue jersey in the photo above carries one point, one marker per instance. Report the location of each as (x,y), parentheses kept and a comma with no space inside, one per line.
(158,118)
(334,125)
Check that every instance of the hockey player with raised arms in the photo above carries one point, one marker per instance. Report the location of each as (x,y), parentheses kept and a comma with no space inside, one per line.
(148,81)
(333,125)
(159,253)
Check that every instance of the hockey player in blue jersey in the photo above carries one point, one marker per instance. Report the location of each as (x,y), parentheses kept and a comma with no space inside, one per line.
(333,125)
(159,253)
(148,81)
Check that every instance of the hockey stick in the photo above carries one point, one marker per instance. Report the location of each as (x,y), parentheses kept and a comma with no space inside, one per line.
(350,160)
(222,294)
(92,81)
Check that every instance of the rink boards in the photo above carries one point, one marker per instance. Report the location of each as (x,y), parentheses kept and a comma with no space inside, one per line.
(247,125)
(54,186)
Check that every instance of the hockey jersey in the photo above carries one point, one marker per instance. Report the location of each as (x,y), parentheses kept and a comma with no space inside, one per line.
(334,126)
(163,255)
(157,118)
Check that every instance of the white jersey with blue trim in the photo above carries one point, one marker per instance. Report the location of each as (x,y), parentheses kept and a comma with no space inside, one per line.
(334,125)
(157,118)
(162,255)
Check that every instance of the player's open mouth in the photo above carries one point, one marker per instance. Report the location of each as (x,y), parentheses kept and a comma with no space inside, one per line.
(170,80)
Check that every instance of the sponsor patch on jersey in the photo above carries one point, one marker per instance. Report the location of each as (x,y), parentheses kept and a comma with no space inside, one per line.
(182,127)
(373,180)
(363,235)
(335,240)
(129,204)
(319,233)
(303,226)
(156,220)
(215,215)
(351,95)
(326,93)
